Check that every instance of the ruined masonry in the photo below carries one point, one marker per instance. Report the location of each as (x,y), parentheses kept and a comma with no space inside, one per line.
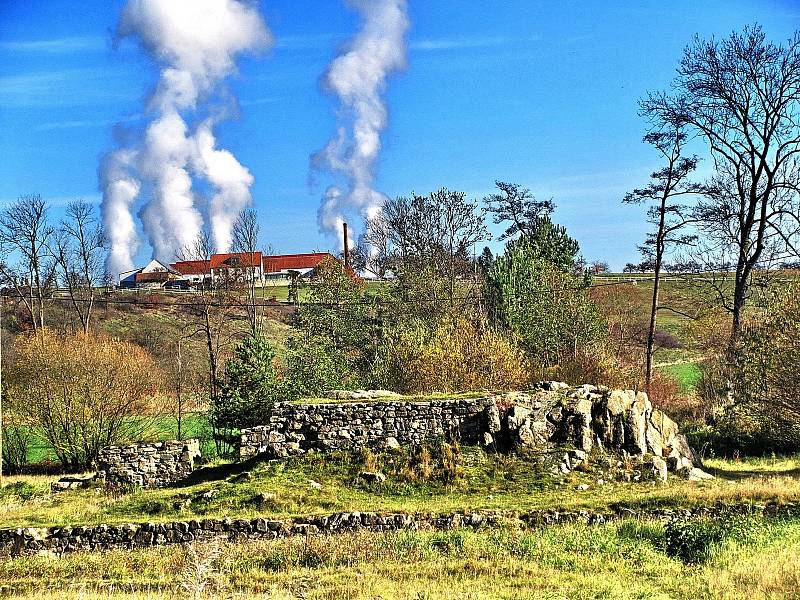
(148,465)
(564,423)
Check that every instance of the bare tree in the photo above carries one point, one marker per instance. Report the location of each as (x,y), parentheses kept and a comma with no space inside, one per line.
(78,249)
(373,251)
(742,96)
(25,232)
(215,310)
(246,232)
(668,217)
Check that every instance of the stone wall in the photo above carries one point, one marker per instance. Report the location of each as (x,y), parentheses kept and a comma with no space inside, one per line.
(299,428)
(151,465)
(550,418)
(58,540)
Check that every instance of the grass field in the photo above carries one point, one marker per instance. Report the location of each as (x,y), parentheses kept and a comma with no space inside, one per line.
(628,560)
(482,482)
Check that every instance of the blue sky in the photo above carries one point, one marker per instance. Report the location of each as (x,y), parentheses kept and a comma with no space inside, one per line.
(539,93)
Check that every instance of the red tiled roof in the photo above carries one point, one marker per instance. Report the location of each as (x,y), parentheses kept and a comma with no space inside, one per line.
(245,259)
(284,262)
(191,267)
(154,277)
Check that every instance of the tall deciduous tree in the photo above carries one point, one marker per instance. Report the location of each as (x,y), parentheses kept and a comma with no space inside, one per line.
(78,250)
(24,234)
(246,233)
(742,96)
(666,214)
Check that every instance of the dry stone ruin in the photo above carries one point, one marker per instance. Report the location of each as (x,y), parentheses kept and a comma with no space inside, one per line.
(148,465)
(563,424)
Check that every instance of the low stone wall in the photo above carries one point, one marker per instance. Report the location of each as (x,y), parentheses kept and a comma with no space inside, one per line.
(151,465)
(58,540)
(299,428)
(551,417)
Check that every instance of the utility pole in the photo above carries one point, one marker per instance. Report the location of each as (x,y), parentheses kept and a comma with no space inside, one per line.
(346,246)
(1,391)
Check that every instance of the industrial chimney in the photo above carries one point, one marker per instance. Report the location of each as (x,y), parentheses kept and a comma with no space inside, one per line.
(346,246)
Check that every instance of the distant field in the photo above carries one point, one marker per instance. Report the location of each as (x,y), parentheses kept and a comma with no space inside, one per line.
(195,425)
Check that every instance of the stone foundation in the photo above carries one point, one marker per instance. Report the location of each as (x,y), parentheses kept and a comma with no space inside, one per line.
(323,427)
(152,465)
(58,540)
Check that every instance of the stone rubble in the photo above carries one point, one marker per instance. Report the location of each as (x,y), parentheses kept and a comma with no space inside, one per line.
(153,465)
(59,540)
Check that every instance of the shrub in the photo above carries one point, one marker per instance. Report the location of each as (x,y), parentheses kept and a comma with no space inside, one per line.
(17,439)
(248,392)
(82,392)
(695,540)
(455,356)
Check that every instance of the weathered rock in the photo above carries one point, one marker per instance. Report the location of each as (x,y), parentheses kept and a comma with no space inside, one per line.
(517,417)
(695,474)
(656,468)
(493,423)
(371,477)
(72,482)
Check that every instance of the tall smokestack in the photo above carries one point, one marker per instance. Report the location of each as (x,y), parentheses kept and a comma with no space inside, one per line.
(346,246)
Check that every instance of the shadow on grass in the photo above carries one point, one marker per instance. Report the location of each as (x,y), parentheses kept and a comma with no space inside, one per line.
(218,472)
(734,475)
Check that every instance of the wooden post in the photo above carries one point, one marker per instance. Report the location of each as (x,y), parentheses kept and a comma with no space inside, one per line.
(1,391)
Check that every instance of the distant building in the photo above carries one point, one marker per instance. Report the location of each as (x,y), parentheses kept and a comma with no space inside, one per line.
(194,272)
(153,275)
(280,269)
(229,268)
(237,268)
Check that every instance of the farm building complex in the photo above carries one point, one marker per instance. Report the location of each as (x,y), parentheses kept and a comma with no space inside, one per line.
(235,267)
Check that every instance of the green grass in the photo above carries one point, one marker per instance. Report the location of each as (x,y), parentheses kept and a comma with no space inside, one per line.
(687,374)
(626,560)
(484,482)
(161,428)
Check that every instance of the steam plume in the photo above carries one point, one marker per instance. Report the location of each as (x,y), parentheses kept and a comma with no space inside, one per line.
(358,78)
(196,43)
(120,190)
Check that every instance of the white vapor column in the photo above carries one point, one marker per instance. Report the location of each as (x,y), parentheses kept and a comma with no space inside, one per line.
(357,76)
(196,44)
(120,190)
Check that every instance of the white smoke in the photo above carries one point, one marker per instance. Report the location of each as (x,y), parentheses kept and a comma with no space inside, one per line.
(120,190)
(358,78)
(196,43)
(230,179)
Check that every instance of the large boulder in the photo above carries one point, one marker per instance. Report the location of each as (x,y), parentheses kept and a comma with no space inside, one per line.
(588,418)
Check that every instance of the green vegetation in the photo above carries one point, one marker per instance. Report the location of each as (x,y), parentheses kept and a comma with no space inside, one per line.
(472,480)
(687,375)
(627,560)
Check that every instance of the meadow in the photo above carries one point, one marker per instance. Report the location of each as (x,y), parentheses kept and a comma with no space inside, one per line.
(751,558)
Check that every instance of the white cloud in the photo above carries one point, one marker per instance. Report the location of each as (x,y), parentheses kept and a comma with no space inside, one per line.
(64,45)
